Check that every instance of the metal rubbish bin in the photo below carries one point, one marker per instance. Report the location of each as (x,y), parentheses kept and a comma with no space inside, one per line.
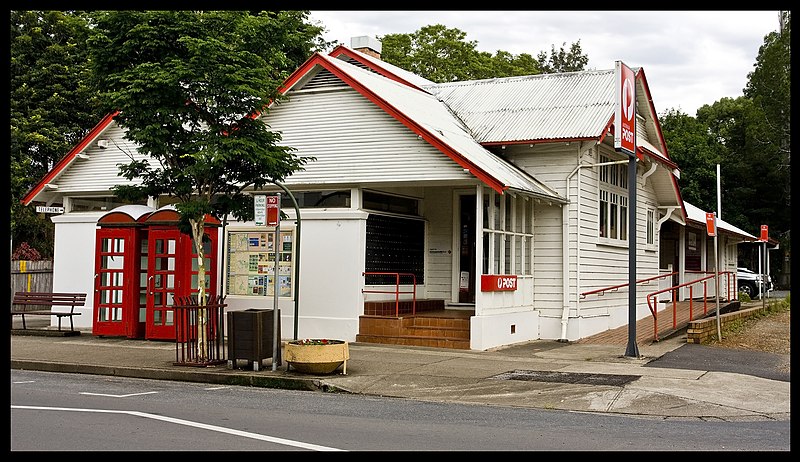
(250,337)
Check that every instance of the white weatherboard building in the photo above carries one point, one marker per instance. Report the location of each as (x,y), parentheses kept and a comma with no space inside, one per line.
(504,198)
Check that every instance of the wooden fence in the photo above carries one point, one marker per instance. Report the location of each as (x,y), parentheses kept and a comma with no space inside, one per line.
(31,276)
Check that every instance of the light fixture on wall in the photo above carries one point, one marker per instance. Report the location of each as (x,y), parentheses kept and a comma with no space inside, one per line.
(102,144)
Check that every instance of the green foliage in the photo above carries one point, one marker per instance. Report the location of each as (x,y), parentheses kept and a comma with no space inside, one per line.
(52,106)
(442,54)
(562,60)
(696,152)
(187,84)
(749,137)
(744,298)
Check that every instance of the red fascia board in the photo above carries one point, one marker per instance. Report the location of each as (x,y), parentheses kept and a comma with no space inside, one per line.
(656,157)
(642,76)
(317,60)
(343,50)
(62,164)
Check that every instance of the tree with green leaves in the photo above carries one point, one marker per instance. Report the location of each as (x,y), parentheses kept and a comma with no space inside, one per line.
(749,137)
(443,54)
(52,105)
(562,60)
(697,152)
(190,86)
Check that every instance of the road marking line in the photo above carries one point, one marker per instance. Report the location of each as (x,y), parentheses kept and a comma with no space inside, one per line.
(119,396)
(188,423)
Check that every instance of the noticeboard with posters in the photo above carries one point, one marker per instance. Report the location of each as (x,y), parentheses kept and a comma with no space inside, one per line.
(251,263)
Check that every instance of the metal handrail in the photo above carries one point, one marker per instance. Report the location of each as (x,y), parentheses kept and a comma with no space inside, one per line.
(614,288)
(674,289)
(397,290)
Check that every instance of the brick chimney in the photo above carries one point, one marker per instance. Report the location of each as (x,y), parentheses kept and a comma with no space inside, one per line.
(367,45)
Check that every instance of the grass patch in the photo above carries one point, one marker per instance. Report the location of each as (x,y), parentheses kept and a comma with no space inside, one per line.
(736,326)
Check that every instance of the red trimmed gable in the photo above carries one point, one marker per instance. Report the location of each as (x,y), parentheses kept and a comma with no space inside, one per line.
(342,50)
(67,159)
(319,60)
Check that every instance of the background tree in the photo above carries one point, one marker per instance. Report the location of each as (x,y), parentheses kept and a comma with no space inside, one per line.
(52,106)
(442,54)
(697,153)
(769,88)
(189,86)
(562,60)
(749,137)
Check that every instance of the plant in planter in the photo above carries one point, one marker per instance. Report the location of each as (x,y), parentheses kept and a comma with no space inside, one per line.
(316,356)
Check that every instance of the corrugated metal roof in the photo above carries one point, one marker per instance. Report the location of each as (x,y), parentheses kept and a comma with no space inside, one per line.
(436,119)
(410,77)
(537,107)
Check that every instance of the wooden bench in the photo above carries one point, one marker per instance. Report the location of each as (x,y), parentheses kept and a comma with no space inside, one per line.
(34,303)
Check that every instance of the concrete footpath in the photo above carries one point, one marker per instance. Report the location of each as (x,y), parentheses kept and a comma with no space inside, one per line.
(669,379)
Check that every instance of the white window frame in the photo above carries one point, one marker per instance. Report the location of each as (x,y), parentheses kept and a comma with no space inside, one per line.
(509,234)
(612,203)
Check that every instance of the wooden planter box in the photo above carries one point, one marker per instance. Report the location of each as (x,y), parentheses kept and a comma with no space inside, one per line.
(312,358)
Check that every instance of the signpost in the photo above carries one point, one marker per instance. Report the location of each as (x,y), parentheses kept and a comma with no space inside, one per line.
(268,213)
(711,228)
(762,280)
(260,204)
(625,141)
(274,219)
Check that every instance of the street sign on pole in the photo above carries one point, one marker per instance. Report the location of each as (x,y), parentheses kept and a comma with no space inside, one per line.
(711,224)
(625,142)
(273,219)
(625,115)
(764,233)
(273,210)
(260,204)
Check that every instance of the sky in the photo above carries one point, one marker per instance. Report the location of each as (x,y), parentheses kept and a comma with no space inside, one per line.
(690,58)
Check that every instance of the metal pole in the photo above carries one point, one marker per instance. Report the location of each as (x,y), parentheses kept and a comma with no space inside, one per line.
(632,348)
(763,279)
(716,280)
(296,258)
(275,318)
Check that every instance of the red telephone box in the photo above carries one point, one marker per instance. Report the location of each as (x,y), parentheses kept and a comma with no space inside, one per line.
(119,297)
(172,269)
(142,263)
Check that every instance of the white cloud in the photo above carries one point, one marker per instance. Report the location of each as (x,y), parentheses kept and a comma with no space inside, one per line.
(691,58)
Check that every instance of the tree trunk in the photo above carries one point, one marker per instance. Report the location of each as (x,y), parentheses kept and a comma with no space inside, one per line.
(198,227)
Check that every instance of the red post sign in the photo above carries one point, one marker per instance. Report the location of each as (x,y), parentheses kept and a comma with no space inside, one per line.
(498,282)
(625,114)
(764,233)
(711,223)
(273,210)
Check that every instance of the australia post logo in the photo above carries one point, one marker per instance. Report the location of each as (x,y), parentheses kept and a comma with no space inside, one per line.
(625,115)
(498,282)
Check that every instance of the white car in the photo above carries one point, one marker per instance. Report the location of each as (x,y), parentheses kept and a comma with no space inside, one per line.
(747,281)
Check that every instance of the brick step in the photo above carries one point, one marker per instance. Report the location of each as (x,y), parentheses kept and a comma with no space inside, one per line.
(435,342)
(437,332)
